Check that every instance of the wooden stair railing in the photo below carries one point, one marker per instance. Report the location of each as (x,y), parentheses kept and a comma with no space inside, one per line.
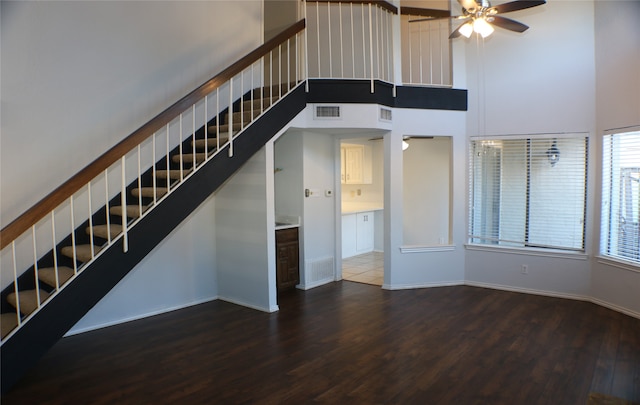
(245,104)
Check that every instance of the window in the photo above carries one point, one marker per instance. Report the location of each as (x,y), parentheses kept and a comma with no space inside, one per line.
(528,192)
(620,237)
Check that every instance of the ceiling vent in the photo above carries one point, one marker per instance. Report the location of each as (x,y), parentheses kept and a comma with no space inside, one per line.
(328,112)
(385,114)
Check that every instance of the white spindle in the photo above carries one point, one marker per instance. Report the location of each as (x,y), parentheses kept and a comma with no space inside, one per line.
(341,43)
(15,282)
(252,96)
(288,66)
(193,137)
(420,49)
(180,148)
(318,37)
(330,40)
(93,253)
(230,115)
(430,25)
(35,265)
(364,45)
(410,52)
(106,197)
(271,77)
(218,119)
(306,51)
(279,71)
(153,169)
(206,123)
(242,100)
(73,237)
(371,48)
(55,252)
(168,159)
(123,201)
(139,181)
(353,44)
(378,53)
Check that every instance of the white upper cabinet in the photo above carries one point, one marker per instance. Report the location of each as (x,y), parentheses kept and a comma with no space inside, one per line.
(356,164)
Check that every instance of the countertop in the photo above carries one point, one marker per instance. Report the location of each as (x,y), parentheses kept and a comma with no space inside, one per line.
(287,222)
(356,207)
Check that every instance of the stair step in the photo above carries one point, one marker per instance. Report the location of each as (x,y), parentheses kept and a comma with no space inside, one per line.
(132,211)
(174,174)
(101,231)
(211,143)
(248,116)
(224,128)
(48,275)
(258,103)
(8,321)
(188,158)
(28,300)
(148,192)
(83,252)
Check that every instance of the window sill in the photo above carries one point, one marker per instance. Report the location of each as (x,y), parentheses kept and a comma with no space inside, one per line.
(555,253)
(621,264)
(425,249)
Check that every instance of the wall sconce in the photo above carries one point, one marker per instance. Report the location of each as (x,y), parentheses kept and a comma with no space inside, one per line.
(553,153)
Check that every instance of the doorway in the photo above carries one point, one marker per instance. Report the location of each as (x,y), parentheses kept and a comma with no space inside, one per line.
(362,208)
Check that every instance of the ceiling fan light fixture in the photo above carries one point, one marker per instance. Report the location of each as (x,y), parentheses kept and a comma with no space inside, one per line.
(466,29)
(482,27)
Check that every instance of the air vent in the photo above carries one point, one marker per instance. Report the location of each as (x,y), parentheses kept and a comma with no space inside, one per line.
(385,114)
(327,112)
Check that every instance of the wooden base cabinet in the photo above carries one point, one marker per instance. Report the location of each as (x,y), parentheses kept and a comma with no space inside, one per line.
(287,259)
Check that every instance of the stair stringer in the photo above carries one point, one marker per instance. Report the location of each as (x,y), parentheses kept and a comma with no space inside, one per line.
(28,344)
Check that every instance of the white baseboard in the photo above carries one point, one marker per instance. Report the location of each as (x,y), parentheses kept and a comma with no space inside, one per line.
(314,284)
(138,317)
(270,309)
(421,285)
(554,294)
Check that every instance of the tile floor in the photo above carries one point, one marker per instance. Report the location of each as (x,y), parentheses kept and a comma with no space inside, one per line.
(366,268)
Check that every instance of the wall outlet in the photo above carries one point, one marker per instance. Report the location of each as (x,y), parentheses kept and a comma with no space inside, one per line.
(524,269)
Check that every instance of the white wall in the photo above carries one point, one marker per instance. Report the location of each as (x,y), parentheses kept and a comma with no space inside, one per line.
(245,236)
(617,58)
(77,77)
(541,81)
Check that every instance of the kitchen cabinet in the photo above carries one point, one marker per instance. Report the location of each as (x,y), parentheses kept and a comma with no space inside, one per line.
(357,233)
(356,165)
(287,259)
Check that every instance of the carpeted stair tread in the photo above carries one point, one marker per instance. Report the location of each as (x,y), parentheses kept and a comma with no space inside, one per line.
(132,211)
(266,102)
(28,300)
(224,128)
(188,157)
(174,174)
(148,192)
(102,231)
(210,143)
(248,116)
(8,321)
(83,252)
(48,275)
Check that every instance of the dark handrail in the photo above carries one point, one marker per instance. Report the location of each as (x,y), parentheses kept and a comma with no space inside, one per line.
(425,12)
(382,4)
(18,226)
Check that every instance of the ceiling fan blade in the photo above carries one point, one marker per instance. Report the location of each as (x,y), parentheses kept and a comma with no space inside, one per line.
(517,5)
(455,34)
(468,4)
(509,24)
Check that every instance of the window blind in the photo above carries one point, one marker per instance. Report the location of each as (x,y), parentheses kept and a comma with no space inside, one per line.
(620,228)
(528,191)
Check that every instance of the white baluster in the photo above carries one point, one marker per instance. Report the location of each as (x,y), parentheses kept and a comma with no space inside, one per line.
(123,201)
(371,48)
(230,117)
(35,265)
(106,197)
(15,282)
(329,38)
(93,253)
(73,237)
(55,252)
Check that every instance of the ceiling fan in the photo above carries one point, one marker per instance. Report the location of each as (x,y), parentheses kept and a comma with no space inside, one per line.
(480,16)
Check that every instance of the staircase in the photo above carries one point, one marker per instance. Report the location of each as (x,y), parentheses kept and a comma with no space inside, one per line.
(48,298)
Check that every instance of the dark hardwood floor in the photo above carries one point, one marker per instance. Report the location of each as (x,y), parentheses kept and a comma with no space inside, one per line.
(350,343)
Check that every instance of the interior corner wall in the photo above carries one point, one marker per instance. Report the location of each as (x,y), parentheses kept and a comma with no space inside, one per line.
(617,56)
(540,81)
(242,239)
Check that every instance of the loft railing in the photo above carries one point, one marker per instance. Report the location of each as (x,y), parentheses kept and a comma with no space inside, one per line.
(350,40)
(243,92)
(426,48)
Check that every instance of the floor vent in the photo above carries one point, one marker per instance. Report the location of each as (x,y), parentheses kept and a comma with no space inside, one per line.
(321,269)
(385,114)
(327,112)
